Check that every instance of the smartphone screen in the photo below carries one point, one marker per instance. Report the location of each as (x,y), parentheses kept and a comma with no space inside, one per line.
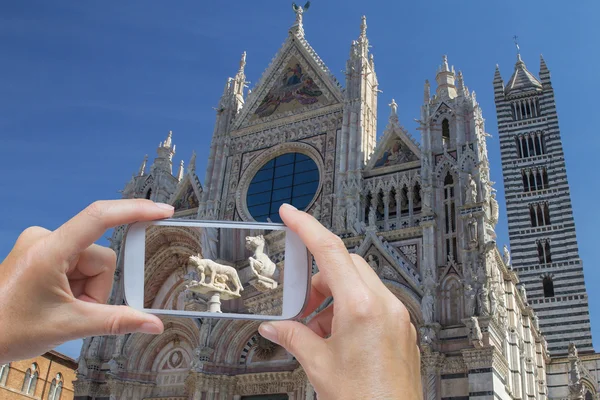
(217,270)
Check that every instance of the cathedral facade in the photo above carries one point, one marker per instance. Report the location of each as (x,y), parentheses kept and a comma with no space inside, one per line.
(422,215)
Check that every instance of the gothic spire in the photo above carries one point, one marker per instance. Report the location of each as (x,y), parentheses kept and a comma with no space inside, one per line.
(522,80)
(180,172)
(426,92)
(544,72)
(192,164)
(460,85)
(445,80)
(497,76)
(143,166)
(363,41)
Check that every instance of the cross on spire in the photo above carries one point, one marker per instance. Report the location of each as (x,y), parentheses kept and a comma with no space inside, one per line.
(515,38)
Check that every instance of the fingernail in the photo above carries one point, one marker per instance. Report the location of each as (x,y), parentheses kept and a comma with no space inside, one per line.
(268,331)
(164,206)
(150,328)
(291,207)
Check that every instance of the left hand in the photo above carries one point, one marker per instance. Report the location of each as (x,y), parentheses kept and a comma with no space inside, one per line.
(54,285)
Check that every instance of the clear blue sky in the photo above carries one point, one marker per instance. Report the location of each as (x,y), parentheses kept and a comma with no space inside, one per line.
(87,88)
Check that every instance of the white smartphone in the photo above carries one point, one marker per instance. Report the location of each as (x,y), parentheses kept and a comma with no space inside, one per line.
(216,269)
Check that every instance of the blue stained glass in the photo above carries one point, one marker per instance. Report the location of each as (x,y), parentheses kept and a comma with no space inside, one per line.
(290,178)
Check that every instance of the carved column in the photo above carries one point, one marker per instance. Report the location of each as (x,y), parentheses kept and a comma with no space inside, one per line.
(411,190)
(398,207)
(386,207)
(431,364)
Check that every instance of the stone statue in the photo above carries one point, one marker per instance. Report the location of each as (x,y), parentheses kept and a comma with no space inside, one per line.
(205,266)
(119,345)
(472,224)
(299,11)
(536,322)
(317,212)
(494,209)
(428,335)
(427,306)
(114,366)
(210,239)
(506,256)
(261,265)
(470,300)
(373,262)
(573,353)
(523,293)
(372,217)
(576,387)
(493,300)
(475,330)
(394,106)
(471,195)
(340,219)
(483,302)
(352,216)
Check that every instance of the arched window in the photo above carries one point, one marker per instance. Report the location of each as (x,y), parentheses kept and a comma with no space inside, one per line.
(30,381)
(545,178)
(417,198)
(445,131)
(546,214)
(548,287)
(404,209)
(540,248)
(451,301)
(540,216)
(532,216)
(368,200)
(4,373)
(393,206)
(547,253)
(525,181)
(56,388)
(149,194)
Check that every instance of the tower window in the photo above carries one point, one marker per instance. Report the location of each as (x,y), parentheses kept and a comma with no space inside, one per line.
(445,130)
(56,388)
(530,144)
(535,179)
(543,248)
(525,109)
(548,287)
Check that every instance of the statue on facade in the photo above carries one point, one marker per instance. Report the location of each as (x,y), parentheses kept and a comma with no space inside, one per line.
(210,239)
(475,334)
(340,219)
(372,262)
(317,212)
(494,210)
(470,300)
(352,217)
(471,195)
(506,256)
(394,106)
(372,217)
(576,387)
(427,306)
(472,225)
(523,293)
(261,265)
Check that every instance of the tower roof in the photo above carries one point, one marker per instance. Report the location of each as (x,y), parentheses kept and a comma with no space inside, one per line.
(522,80)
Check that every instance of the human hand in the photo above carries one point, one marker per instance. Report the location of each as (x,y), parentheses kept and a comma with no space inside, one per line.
(362,346)
(54,285)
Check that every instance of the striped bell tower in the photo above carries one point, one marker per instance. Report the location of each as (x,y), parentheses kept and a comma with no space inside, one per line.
(541,227)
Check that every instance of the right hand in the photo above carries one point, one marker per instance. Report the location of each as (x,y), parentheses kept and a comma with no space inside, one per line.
(362,346)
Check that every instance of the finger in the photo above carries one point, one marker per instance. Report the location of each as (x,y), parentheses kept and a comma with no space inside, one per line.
(319,292)
(93,275)
(89,225)
(31,235)
(330,253)
(321,323)
(367,273)
(100,319)
(297,339)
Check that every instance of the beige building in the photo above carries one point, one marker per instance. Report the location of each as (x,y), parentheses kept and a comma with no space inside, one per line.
(48,377)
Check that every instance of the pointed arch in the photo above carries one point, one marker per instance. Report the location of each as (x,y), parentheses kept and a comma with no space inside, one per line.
(451,301)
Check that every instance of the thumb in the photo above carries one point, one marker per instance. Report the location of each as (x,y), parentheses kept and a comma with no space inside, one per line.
(296,338)
(101,319)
